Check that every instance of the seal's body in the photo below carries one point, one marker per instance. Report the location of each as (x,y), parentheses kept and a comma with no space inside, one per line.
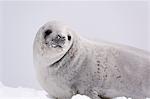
(67,64)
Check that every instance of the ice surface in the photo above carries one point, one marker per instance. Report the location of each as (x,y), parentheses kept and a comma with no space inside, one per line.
(28,93)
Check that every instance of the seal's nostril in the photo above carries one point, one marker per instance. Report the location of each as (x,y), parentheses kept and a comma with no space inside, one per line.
(47,32)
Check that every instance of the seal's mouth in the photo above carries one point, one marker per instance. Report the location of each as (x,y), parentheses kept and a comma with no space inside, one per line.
(57,42)
(58,61)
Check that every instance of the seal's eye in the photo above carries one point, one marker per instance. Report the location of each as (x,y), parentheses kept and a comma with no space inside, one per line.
(47,33)
(69,37)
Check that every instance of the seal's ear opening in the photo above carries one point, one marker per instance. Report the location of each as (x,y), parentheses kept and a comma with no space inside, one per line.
(69,37)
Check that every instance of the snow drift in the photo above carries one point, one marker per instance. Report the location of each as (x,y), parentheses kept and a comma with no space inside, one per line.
(28,93)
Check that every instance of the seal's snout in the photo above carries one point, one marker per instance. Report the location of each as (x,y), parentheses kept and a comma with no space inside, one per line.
(47,33)
(53,39)
(58,41)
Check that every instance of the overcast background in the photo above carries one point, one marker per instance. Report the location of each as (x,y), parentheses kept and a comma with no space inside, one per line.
(121,22)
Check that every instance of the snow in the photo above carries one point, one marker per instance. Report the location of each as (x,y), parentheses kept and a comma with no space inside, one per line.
(21,93)
(28,93)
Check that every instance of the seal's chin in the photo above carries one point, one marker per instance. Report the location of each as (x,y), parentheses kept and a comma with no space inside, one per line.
(55,53)
(61,56)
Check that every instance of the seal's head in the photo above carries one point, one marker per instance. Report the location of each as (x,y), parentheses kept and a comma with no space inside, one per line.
(51,43)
